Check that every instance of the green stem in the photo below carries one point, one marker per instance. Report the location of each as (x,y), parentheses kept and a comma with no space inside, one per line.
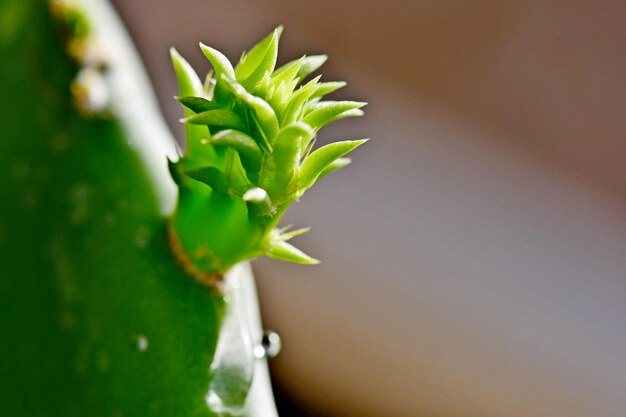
(215,231)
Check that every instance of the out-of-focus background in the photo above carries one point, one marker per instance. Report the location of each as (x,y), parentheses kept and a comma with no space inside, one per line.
(474,255)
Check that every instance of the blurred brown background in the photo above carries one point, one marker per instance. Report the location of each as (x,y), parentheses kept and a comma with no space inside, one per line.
(475,252)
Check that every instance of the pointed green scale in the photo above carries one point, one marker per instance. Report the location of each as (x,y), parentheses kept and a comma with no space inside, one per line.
(190,85)
(221,66)
(264,115)
(280,96)
(217,118)
(286,252)
(287,148)
(326,88)
(210,176)
(276,97)
(197,104)
(261,59)
(261,112)
(325,112)
(284,236)
(220,63)
(298,100)
(313,166)
(249,151)
(265,87)
(265,68)
(188,81)
(310,64)
(288,72)
(336,165)
(238,177)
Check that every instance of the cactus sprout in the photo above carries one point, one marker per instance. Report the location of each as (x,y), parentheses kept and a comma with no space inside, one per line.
(250,153)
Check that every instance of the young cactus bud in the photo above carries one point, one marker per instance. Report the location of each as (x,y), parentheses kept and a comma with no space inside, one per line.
(250,133)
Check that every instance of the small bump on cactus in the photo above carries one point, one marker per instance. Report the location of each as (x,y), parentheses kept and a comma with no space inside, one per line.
(250,137)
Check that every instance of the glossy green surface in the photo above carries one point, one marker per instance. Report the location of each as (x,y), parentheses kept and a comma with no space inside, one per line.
(96,318)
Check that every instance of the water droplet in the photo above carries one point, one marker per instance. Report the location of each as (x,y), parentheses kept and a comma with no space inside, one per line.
(270,346)
(142,343)
(214,402)
(233,364)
